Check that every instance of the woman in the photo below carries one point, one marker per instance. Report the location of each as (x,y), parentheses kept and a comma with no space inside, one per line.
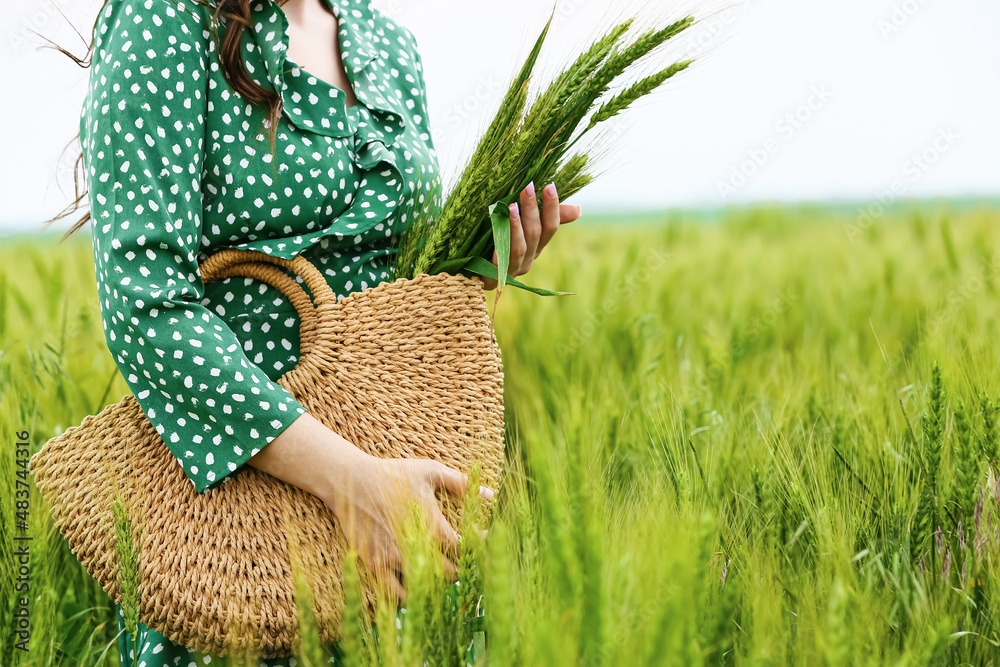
(174,133)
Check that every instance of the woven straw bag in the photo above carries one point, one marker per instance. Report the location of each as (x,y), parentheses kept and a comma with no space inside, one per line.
(408,369)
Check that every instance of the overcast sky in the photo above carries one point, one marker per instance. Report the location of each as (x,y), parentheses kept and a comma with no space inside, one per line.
(787,99)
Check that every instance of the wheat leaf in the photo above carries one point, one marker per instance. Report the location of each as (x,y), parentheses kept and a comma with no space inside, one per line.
(481,267)
(500,220)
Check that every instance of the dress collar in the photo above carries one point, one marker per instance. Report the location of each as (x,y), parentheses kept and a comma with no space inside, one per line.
(363,60)
(357,50)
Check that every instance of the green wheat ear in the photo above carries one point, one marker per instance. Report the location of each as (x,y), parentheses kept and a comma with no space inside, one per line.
(470,558)
(966,481)
(927,520)
(633,93)
(311,650)
(987,434)
(933,426)
(417,632)
(358,642)
(127,540)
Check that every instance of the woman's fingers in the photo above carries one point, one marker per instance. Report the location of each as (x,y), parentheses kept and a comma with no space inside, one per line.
(453,481)
(532,228)
(491,283)
(449,479)
(518,246)
(387,578)
(569,213)
(450,569)
(385,565)
(388,555)
(531,225)
(551,215)
(443,531)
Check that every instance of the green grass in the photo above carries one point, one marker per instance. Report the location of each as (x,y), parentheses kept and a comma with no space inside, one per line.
(739,443)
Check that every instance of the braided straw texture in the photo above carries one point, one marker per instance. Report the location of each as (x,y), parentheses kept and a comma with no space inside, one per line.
(409,369)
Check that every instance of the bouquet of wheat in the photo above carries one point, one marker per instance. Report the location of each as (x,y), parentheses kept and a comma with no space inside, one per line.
(409,368)
(527,144)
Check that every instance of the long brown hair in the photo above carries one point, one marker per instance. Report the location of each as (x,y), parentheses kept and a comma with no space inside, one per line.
(236,15)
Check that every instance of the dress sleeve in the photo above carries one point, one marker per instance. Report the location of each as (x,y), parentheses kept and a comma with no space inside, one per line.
(143,136)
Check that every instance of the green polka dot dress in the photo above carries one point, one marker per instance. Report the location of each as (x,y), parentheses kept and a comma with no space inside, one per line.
(179,167)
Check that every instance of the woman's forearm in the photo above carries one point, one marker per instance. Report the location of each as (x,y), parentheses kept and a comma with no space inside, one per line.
(310,456)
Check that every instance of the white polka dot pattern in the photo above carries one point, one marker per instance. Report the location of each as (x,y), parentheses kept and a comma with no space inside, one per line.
(179,167)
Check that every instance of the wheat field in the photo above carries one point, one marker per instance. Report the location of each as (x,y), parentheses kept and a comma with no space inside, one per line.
(769,439)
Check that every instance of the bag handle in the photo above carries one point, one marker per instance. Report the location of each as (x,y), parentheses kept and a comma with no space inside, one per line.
(261,266)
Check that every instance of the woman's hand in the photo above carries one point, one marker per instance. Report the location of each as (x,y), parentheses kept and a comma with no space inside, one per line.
(367,495)
(531,229)
(375,495)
